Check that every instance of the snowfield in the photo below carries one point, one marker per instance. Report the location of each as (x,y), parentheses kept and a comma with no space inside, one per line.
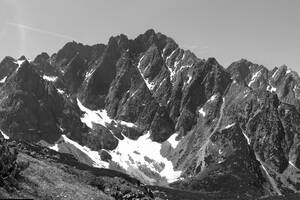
(135,153)
(132,154)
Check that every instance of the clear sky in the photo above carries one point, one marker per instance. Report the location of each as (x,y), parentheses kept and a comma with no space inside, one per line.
(264,31)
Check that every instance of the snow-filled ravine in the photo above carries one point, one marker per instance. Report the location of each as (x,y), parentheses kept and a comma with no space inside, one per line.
(132,155)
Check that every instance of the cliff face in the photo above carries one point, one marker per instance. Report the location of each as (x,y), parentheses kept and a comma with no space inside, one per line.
(150,109)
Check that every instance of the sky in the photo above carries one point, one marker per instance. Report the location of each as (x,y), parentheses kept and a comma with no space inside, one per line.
(266,32)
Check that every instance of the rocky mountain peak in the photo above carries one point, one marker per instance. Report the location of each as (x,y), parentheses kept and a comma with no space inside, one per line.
(149,108)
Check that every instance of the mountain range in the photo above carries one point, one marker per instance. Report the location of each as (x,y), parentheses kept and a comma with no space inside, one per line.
(158,117)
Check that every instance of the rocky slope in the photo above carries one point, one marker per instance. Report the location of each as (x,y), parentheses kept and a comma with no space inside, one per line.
(150,109)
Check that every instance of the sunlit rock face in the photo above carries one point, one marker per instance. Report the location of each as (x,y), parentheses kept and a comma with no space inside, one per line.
(148,108)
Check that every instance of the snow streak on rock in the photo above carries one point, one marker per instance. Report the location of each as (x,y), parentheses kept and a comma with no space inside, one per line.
(4,135)
(229,126)
(3,80)
(254,77)
(88,74)
(247,138)
(149,84)
(292,164)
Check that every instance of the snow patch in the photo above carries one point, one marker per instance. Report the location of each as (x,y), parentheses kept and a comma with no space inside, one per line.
(3,80)
(92,116)
(201,111)
(128,124)
(99,117)
(172,140)
(50,78)
(60,91)
(4,135)
(212,98)
(220,151)
(271,88)
(130,154)
(54,147)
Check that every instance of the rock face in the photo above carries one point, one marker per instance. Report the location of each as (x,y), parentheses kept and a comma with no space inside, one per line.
(32,109)
(233,130)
